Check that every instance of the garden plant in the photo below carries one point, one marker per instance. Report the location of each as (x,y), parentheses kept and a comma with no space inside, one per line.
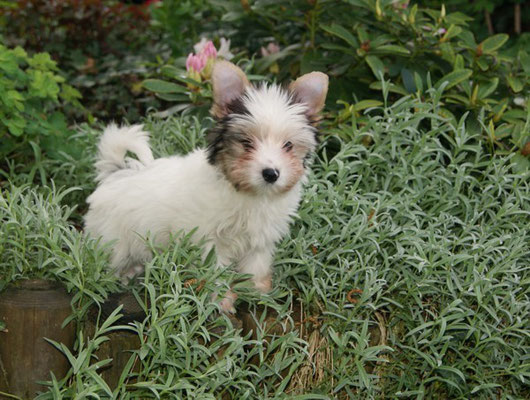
(406,271)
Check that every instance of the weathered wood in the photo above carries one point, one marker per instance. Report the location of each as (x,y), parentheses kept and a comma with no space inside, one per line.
(121,343)
(33,310)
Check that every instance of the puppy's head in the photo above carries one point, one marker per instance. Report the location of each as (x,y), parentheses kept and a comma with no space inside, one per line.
(264,135)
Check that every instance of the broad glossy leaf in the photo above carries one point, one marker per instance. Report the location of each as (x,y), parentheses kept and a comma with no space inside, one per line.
(448,53)
(494,43)
(171,71)
(392,49)
(514,115)
(343,33)
(515,83)
(454,78)
(363,36)
(486,89)
(452,32)
(525,61)
(160,86)
(458,18)
(376,65)
(482,63)
(336,47)
(408,80)
(459,62)
(173,96)
(418,81)
(467,39)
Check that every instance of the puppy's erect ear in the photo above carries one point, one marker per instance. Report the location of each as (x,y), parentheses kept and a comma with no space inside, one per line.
(229,82)
(311,89)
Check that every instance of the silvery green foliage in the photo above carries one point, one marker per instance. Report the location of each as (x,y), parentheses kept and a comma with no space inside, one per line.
(407,211)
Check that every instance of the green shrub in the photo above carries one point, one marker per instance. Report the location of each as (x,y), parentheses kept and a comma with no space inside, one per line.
(183,22)
(359,42)
(490,16)
(101,45)
(32,95)
(37,240)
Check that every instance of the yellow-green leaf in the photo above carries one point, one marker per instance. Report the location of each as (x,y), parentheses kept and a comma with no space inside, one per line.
(452,31)
(515,83)
(364,104)
(493,43)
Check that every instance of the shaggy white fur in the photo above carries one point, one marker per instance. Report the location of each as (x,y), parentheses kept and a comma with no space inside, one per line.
(223,192)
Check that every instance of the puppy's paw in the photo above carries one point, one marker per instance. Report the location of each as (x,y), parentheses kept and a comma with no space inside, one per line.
(128,275)
(264,285)
(227,303)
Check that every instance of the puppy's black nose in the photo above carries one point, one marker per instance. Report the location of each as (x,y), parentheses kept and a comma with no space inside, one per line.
(270,175)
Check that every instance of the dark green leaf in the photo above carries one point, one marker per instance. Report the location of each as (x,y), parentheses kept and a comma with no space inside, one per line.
(173,96)
(408,80)
(392,49)
(486,89)
(525,61)
(454,78)
(160,86)
(343,33)
(376,65)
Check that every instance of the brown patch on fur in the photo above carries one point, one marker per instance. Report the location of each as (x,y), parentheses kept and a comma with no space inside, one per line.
(236,171)
(296,171)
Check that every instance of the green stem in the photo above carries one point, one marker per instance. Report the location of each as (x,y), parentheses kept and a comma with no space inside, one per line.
(11,396)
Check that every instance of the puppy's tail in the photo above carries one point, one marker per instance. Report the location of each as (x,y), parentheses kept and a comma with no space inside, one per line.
(114,145)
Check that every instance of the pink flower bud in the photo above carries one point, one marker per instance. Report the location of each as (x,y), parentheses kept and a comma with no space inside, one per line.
(272,48)
(195,63)
(209,50)
(189,61)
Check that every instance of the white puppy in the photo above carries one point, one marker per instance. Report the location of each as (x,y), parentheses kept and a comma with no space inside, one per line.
(240,192)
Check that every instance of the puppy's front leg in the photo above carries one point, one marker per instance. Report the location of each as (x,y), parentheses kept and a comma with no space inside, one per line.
(258,262)
(227,303)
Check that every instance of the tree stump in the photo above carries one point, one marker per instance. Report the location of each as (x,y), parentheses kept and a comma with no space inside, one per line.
(121,343)
(31,311)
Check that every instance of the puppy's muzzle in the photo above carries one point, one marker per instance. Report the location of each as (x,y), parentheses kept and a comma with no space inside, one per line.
(270,175)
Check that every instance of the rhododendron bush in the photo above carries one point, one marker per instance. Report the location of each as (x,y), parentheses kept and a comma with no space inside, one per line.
(359,43)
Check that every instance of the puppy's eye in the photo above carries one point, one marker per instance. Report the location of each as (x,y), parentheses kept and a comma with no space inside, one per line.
(288,146)
(247,144)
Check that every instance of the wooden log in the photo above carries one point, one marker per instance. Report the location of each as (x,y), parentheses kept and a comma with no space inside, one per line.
(121,343)
(33,310)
